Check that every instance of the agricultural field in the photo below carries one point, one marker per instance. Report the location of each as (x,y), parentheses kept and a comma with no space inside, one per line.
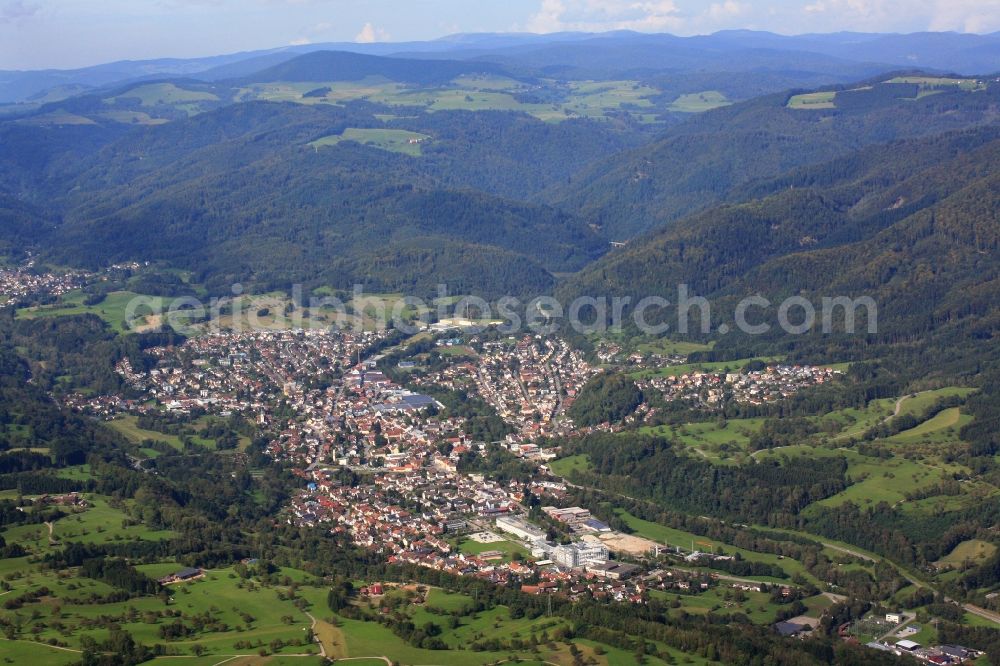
(155,94)
(854,422)
(916,404)
(116,309)
(393,140)
(816,100)
(722,441)
(723,600)
(56,119)
(104,520)
(589,99)
(366,638)
(699,102)
(666,346)
(940,83)
(375,308)
(975,551)
(565,466)
(133,118)
(943,427)
(262,615)
(128,426)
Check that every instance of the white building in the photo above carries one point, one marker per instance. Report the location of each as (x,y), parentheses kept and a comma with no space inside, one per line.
(578,554)
(520,528)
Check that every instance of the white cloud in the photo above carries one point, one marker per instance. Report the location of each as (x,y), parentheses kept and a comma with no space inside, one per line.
(980,16)
(727,9)
(598,15)
(301,41)
(676,16)
(14,11)
(370,34)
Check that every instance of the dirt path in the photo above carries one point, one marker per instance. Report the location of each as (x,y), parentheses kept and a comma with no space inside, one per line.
(982,612)
(326,628)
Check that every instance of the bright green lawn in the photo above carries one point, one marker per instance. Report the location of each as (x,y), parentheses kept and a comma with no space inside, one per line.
(565,466)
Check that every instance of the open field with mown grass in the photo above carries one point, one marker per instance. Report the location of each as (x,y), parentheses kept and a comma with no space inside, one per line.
(393,140)
(115,309)
(699,102)
(816,100)
(975,551)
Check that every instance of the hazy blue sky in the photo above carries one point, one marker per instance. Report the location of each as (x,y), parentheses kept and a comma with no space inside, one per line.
(73,33)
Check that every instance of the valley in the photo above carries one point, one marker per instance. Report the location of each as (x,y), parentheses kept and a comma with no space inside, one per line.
(568,349)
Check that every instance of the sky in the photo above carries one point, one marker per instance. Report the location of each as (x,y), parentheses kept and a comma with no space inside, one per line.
(36,34)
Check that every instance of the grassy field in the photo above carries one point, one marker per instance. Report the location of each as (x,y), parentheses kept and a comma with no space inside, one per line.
(258,615)
(725,600)
(370,638)
(666,346)
(115,309)
(689,541)
(128,426)
(699,102)
(718,441)
(393,140)
(941,82)
(100,522)
(564,466)
(882,480)
(917,403)
(816,100)
(942,427)
(853,422)
(133,118)
(572,99)
(707,366)
(974,550)
(373,308)
(156,94)
(508,548)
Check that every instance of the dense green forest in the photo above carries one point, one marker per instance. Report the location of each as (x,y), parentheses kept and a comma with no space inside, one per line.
(714,156)
(605,399)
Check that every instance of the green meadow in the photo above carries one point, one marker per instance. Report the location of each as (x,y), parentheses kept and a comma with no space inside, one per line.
(699,102)
(115,309)
(816,100)
(393,140)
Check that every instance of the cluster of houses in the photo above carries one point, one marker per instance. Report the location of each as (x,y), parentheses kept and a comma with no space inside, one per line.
(713,389)
(528,381)
(24,281)
(613,353)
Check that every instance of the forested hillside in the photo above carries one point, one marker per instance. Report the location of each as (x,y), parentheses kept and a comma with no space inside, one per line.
(710,159)
(240,195)
(912,225)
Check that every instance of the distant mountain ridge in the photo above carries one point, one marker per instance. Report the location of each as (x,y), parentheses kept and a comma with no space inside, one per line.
(347,66)
(849,55)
